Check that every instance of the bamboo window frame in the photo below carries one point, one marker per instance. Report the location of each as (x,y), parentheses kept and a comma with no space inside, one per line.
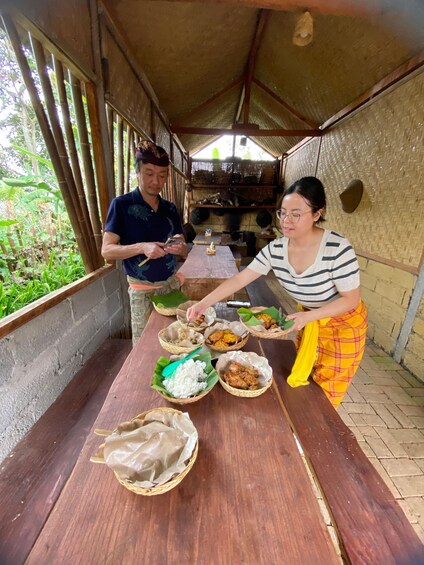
(74,169)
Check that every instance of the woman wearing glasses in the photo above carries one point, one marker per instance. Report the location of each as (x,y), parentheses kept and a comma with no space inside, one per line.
(319,269)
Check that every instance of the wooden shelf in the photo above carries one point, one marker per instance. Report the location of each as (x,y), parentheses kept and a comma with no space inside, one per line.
(254,207)
(227,186)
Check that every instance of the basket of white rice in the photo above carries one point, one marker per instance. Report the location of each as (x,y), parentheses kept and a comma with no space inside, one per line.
(191,381)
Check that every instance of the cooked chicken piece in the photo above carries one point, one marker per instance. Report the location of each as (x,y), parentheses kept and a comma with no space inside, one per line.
(230,338)
(235,380)
(223,338)
(216,336)
(267,320)
(248,375)
(199,321)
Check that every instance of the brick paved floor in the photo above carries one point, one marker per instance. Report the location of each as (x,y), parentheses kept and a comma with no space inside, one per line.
(384,408)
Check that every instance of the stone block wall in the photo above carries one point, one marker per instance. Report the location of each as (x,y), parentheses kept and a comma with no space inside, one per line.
(40,358)
(387,292)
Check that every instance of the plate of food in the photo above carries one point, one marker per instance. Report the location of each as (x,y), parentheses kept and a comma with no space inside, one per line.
(177,340)
(226,336)
(191,381)
(244,373)
(167,304)
(265,323)
(152,453)
(199,324)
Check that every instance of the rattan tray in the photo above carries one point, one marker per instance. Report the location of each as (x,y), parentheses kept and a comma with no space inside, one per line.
(159,489)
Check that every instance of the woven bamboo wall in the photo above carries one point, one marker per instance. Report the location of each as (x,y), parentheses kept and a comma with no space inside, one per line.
(123,88)
(302,163)
(66,24)
(383,145)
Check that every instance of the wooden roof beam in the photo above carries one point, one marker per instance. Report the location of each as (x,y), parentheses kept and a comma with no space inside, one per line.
(329,7)
(391,79)
(263,17)
(302,118)
(188,115)
(240,129)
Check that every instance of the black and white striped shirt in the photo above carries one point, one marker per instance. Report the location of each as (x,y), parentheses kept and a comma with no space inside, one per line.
(335,269)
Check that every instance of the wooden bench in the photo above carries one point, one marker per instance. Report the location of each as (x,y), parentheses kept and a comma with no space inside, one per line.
(34,474)
(371,525)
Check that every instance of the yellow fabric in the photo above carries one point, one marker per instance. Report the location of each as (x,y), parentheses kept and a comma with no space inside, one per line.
(306,354)
(330,350)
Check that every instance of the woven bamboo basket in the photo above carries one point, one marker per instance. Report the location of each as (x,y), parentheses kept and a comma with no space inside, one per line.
(188,400)
(178,349)
(244,393)
(267,334)
(165,311)
(158,489)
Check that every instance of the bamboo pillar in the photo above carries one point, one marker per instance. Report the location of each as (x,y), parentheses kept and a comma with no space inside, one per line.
(128,159)
(50,142)
(72,149)
(120,156)
(87,161)
(111,126)
(79,203)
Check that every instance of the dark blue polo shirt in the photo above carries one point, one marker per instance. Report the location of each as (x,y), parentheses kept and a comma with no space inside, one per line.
(135,221)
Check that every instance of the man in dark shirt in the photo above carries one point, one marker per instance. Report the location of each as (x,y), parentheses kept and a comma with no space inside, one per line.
(137,226)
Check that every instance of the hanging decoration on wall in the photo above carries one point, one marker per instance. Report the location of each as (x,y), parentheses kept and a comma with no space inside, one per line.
(304,30)
(352,195)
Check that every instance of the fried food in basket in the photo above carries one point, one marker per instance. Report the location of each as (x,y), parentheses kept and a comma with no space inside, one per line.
(223,338)
(239,376)
(269,322)
(199,321)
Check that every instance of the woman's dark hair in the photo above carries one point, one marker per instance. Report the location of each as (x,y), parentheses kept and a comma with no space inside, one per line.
(312,190)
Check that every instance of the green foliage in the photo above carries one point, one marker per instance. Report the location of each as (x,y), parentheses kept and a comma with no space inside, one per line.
(59,271)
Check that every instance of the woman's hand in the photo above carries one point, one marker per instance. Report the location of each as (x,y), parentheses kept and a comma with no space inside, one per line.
(195,311)
(300,320)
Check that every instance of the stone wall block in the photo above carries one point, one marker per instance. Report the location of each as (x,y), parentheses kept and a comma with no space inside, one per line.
(42,332)
(86,299)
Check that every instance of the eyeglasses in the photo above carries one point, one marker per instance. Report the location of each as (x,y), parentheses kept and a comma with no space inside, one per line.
(294,217)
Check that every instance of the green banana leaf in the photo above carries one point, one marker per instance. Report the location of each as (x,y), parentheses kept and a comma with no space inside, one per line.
(162,362)
(249,317)
(170,300)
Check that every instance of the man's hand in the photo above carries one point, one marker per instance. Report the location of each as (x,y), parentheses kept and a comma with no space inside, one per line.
(177,247)
(153,249)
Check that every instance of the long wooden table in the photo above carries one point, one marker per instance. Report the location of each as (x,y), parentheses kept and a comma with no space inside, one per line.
(203,272)
(248,498)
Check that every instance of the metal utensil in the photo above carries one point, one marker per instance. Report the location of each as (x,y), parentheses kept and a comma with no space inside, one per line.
(169,369)
(167,242)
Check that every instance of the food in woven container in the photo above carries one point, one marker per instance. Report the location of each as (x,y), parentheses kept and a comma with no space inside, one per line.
(167,304)
(244,374)
(226,336)
(190,382)
(152,453)
(265,323)
(176,339)
(199,324)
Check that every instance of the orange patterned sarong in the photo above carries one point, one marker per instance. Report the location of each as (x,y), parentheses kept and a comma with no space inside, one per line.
(341,344)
